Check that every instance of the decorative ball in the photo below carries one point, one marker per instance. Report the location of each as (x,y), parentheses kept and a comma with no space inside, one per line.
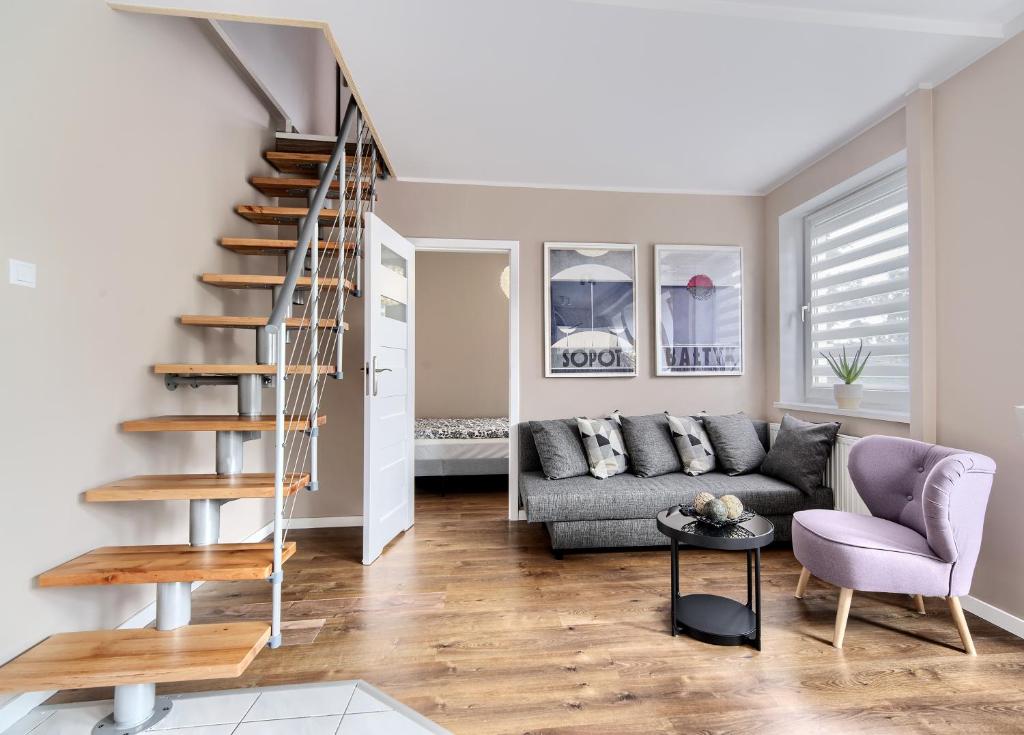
(733,506)
(701,500)
(716,511)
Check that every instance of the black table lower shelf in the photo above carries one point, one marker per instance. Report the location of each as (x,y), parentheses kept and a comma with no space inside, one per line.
(715,619)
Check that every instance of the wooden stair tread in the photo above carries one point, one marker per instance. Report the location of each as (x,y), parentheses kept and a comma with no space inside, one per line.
(104,658)
(167,563)
(300,187)
(272,246)
(247,280)
(195,487)
(252,322)
(304,163)
(217,423)
(265,215)
(172,368)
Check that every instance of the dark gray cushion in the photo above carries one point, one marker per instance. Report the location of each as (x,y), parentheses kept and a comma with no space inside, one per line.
(800,452)
(559,448)
(629,496)
(738,450)
(649,444)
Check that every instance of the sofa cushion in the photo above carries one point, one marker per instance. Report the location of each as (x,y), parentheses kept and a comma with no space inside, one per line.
(800,452)
(650,447)
(629,496)
(737,446)
(559,448)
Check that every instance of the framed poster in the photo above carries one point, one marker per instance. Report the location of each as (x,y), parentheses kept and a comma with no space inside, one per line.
(589,310)
(698,309)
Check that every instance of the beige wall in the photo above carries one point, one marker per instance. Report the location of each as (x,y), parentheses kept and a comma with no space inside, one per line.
(977,119)
(881,141)
(533,216)
(126,141)
(979,188)
(461,335)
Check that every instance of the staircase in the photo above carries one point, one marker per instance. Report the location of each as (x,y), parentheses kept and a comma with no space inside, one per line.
(297,351)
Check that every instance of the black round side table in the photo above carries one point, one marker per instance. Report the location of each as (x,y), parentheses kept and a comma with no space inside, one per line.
(712,618)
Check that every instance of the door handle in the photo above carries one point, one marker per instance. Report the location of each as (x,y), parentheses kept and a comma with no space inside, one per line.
(377,371)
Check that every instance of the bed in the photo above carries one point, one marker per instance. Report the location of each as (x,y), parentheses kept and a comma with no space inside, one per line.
(461,446)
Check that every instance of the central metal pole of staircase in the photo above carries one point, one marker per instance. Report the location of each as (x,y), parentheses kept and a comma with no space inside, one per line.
(278,574)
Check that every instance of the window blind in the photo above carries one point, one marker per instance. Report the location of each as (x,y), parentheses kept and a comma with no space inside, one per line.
(857,287)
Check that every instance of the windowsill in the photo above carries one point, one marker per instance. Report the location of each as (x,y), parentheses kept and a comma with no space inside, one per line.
(876,414)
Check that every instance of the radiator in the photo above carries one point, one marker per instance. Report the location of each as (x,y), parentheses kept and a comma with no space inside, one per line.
(837,474)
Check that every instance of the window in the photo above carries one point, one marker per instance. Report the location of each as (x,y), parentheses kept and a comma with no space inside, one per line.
(857,287)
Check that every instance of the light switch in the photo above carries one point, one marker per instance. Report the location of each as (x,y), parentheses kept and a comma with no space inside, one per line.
(22,273)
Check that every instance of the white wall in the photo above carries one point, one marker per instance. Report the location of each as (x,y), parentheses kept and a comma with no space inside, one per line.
(125,143)
(295,65)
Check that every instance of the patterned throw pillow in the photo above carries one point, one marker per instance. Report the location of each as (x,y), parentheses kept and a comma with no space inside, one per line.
(602,442)
(693,444)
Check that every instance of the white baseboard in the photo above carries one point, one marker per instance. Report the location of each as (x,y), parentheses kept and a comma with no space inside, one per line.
(326,522)
(991,613)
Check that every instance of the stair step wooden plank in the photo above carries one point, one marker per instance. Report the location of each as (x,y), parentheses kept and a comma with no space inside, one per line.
(309,143)
(252,322)
(306,164)
(194,487)
(299,187)
(247,280)
(217,423)
(272,246)
(166,563)
(172,368)
(265,215)
(104,658)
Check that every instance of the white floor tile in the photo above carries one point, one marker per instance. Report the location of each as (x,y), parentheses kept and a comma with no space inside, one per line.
(217,709)
(74,720)
(365,702)
(27,723)
(311,701)
(201,730)
(302,726)
(380,723)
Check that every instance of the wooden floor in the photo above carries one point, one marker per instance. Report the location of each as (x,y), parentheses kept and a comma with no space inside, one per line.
(468,619)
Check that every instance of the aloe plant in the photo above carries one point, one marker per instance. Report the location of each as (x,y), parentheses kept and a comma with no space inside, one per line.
(847,370)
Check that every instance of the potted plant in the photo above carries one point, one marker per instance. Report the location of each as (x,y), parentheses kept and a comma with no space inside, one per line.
(848,393)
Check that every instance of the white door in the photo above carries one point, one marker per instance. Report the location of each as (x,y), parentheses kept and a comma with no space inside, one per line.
(388,269)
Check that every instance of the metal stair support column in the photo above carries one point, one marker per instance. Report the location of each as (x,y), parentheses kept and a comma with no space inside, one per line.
(136,708)
(173,605)
(314,333)
(277,577)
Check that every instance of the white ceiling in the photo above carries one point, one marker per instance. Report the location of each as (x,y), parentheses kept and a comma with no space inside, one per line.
(641,95)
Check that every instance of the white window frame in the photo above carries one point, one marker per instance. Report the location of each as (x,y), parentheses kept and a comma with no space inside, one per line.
(895,401)
(792,285)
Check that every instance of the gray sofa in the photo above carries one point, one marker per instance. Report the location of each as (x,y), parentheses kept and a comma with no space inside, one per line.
(588,513)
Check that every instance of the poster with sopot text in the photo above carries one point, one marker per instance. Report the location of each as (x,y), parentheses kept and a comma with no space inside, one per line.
(590,309)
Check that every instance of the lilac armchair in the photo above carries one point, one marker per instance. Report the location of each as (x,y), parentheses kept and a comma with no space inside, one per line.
(923,537)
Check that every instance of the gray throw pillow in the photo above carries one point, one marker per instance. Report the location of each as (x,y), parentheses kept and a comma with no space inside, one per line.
(559,448)
(649,444)
(800,453)
(692,443)
(738,450)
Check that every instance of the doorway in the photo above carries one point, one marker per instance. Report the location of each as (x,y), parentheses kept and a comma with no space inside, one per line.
(466,369)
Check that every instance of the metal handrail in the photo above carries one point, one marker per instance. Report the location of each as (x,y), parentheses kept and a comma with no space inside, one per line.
(316,205)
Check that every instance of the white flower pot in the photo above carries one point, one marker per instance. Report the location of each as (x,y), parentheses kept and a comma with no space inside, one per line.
(848,395)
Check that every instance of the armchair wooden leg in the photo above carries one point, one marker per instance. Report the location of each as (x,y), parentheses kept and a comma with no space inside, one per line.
(801,585)
(961,625)
(842,613)
(919,603)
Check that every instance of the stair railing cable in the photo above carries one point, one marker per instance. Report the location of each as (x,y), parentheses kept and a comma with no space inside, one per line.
(344,269)
(299,381)
(278,332)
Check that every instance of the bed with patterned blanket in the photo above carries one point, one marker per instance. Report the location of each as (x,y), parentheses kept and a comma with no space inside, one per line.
(461,446)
